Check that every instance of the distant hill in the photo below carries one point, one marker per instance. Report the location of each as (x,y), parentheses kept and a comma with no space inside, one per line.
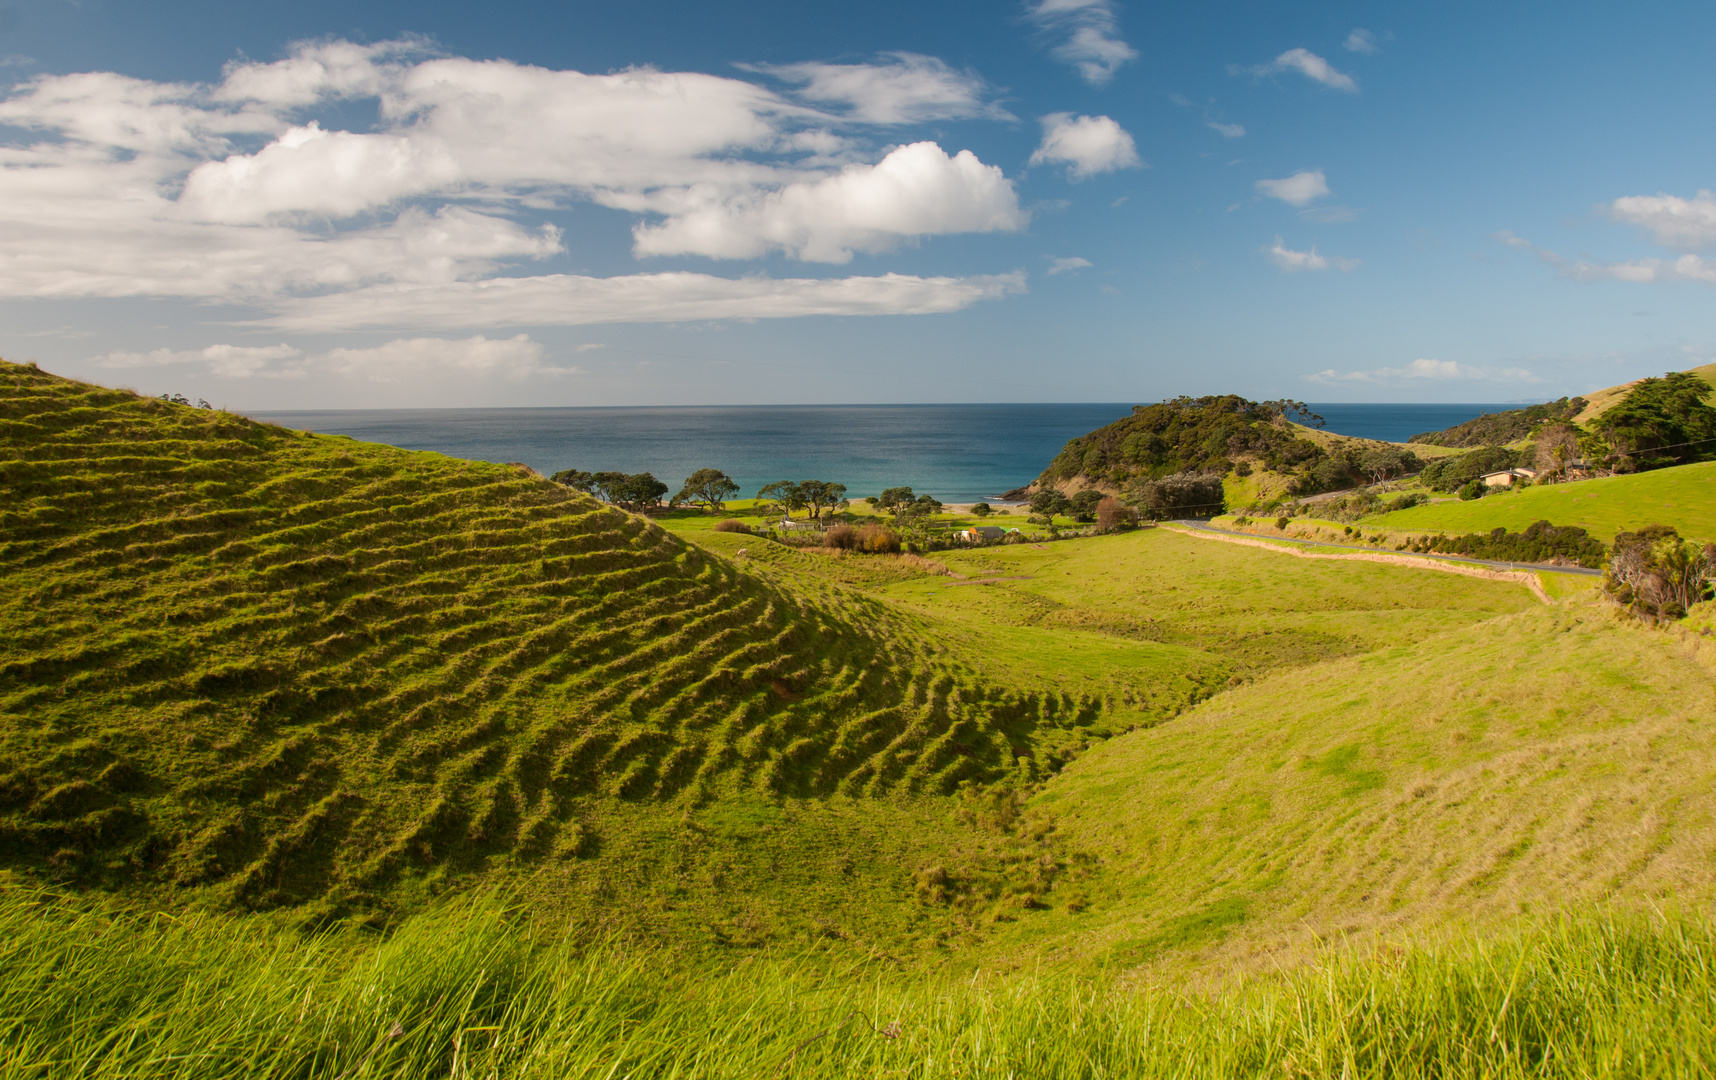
(1499,429)
(1218,436)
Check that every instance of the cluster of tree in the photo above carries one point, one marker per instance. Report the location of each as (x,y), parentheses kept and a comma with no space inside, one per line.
(1656,574)
(815,496)
(1352,466)
(904,504)
(1497,429)
(1081,507)
(1454,473)
(1541,542)
(1661,422)
(631,490)
(1183,495)
(180,399)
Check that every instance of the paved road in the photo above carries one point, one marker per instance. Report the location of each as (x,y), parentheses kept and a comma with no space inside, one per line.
(1579,570)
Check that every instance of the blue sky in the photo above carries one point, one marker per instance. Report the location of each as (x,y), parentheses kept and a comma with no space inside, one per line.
(364,204)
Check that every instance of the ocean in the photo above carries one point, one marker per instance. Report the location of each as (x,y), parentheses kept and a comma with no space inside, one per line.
(957,453)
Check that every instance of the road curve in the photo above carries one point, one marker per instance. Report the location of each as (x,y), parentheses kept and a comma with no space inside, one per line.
(1577,570)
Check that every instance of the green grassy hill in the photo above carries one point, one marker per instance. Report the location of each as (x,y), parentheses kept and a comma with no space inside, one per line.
(1683,496)
(1534,763)
(284,669)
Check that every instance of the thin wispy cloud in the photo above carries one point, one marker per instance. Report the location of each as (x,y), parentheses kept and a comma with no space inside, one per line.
(405,358)
(1646,271)
(1210,117)
(1300,189)
(1067,264)
(1290,261)
(1366,42)
(904,88)
(1090,36)
(1422,370)
(1309,64)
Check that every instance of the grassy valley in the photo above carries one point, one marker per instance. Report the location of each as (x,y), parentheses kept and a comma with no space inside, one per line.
(320,758)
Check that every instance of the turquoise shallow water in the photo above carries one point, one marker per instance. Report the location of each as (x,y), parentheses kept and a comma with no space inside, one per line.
(957,453)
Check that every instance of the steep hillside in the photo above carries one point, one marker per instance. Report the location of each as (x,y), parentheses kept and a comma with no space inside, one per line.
(286,668)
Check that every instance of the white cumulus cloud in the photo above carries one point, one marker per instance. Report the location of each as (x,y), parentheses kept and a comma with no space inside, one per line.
(1310,65)
(1673,221)
(1087,145)
(1091,36)
(917,190)
(1291,261)
(235,192)
(1300,189)
(1422,369)
(907,88)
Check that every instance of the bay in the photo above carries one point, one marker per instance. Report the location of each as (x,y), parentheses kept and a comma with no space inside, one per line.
(958,453)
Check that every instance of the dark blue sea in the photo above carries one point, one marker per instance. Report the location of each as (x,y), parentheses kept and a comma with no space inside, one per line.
(958,453)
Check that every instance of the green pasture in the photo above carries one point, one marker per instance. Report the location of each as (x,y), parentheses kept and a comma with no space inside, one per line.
(480,989)
(1549,757)
(1683,496)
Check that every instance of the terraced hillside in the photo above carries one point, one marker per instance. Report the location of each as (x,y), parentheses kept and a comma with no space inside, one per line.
(284,668)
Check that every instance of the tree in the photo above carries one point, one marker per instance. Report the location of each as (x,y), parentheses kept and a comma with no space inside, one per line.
(783,494)
(711,487)
(894,497)
(1083,505)
(576,480)
(818,494)
(1385,463)
(604,485)
(1049,502)
(1557,447)
(639,490)
(1663,421)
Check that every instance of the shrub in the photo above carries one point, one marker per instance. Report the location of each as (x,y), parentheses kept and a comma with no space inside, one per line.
(1407,501)
(1281,523)
(1113,515)
(878,540)
(844,537)
(1540,542)
(1656,573)
(980,509)
(1473,489)
(731,525)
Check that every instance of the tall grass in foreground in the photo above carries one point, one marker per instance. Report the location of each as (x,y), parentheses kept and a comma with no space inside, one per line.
(471,990)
